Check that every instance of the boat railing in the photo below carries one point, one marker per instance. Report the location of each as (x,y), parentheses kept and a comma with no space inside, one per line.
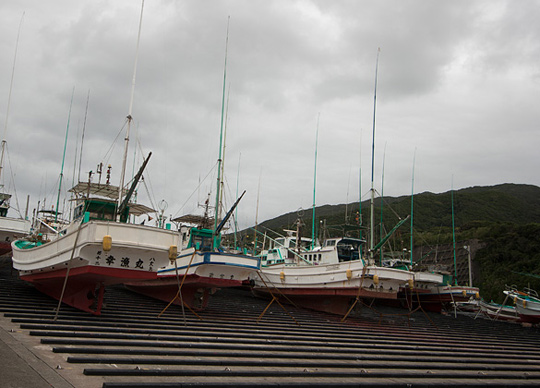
(530,292)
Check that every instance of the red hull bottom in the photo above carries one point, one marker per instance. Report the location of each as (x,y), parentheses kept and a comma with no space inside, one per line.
(196,290)
(85,285)
(330,300)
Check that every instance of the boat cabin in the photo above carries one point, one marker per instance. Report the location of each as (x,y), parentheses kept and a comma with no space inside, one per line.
(97,201)
(4,204)
(284,250)
(201,239)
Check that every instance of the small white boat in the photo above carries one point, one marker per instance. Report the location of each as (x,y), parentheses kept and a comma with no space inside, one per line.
(527,304)
(498,311)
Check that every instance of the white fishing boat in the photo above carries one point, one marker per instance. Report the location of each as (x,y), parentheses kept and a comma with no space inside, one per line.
(10,228)
(330,278)
(527,304)
(99,247)
(199,269)
(75,264)
(202,266)
(498,311)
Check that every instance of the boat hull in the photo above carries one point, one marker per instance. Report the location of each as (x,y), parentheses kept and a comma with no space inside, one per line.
(499,312)
(136,252)
(198,275)
(330,288)
(84,287)
(444,295)
(528,309)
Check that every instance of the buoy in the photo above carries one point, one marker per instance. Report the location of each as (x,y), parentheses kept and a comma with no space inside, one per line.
(411,283)
(464,293)
(173,252)
(477,295)
(375,279)
(107,243)
(524,303)
(349,274)
(282,275)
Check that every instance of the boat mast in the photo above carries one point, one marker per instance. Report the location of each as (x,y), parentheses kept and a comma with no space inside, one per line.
(129,118)
(382,203)
(372,205)
(236,210)
(217,211)
(82,136)
(412,205)
(63,159)
(315,184)
(360,197)
(221,183)
(9,99)
(453,231)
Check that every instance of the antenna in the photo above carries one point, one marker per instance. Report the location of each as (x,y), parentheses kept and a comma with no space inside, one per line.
(9,96)
(217,210)
(315,183)
(129,118)
(63,157)
(372,234)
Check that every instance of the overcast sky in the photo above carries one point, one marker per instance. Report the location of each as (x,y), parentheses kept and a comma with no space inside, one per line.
(458,82)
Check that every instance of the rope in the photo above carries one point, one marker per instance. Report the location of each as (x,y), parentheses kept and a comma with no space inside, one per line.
(179,294)
(275,299)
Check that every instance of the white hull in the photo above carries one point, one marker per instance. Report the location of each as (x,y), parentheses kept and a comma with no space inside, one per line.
(427,280)
(212,265)
(500,312)
(199,274)
(344,275)
(528,307)
(134,247)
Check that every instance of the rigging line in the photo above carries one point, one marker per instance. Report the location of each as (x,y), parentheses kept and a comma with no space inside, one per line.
(146,176)
(13,181)
(82,137)
(154,207)
(392,209)
(196,189)
(105,158)
(9,96)
(64,156)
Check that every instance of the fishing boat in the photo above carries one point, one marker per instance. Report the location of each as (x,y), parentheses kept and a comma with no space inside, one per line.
(202,266)
(10,228)
(199,269)
(328,278)
(527,304)
(497,311)
(100,246)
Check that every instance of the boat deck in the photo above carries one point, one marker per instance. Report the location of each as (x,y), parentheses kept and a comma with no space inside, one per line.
(129,346)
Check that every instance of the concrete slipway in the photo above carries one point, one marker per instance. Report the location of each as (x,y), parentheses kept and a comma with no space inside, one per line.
(129,346)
